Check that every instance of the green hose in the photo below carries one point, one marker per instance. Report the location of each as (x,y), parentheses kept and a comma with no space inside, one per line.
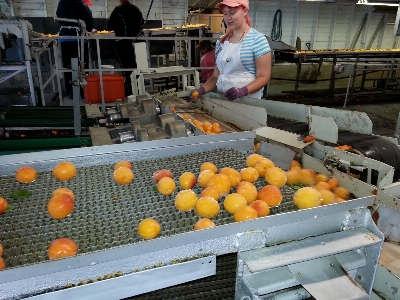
(276,32)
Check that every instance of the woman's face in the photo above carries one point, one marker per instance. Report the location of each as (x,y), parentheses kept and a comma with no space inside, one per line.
(234,16)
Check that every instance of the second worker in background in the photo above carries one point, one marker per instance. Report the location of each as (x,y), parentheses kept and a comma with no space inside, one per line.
(126,20)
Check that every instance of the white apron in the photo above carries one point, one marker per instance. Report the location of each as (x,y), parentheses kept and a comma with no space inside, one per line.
(232,72)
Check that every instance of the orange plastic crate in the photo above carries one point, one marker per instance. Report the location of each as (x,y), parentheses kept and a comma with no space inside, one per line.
(113,88)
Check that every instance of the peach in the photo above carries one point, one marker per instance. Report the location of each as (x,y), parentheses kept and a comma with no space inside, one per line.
(333,182)
(2,263)
(157,175)
(271,195)
(339,200)
(166,186)
(123,163)
(295,165)
(249,174)
(307,197)
(26,174)
(327,197)
(209,166)
(262,166)
(3,205)
(204,223)
(64,191)
(307,176)
(123,175)
(186,200)
(210,191)
(293,176)
(245,213)
(275,176)
(1,250)
(234,175)
(207,207)
(233,201)
(60,206)
(204,177)
(62,247)
(322,185)
(64,171)
(261,207)
(252,159)
(341,192)
(247,190)
(216,127)
(187,180)
(221,182)
(149,228)
(321,177)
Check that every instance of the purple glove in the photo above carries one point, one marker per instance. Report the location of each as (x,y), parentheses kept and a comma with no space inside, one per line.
(234,93)
(196,94)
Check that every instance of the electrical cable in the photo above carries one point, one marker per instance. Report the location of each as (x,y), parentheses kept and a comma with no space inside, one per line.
(276,32)
(144,21)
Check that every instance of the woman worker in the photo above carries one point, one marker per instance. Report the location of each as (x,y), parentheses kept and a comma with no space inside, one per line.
(242,56)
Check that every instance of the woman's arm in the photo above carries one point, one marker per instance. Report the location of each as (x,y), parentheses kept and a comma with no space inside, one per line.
(211,83)
(263,73)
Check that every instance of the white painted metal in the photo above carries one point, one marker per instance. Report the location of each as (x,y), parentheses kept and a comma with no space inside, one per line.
(281,136)
(323,128)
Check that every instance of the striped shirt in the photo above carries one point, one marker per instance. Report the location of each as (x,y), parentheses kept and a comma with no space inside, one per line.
(254,45)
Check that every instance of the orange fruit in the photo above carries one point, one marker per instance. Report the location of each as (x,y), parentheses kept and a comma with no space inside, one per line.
(3,205)
(157,175)
(339,200)
(321,177)
(262,165)
(307,176)
(209,166)
(275,176)
(2,264)
(341,192)
(60,206)
(245,213)
(186,117)
(247,190)
(62,247)
(293,176)
(1,250)
(210,191)
(166,186)
(333,182)
(271,195)
(186,200)
(322,185)
(261,207)
(123,175)
(149,228)
(307,197)
(207,207)
(327,197)
(256,146)
(294,165)
(221,182)
(195,95)
(252,159)
(187,180)
(216,127)
(204,223)
(233,201)
(249,174)
(204,177)
(26,174)
(123,163)
(64,171)
(63,190)
(234,176)
(207,126)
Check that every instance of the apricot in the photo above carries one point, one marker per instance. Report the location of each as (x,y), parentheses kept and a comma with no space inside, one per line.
(2,263)
(247,190)
(60,206)
(327,197)
(307,176)
(245,213)
(249,174)
(322,185)
(252,159)
(3,205)
(321,177)
(294,165)
(275,176)
(210,191)
(204,223)
(186,117)
(221,182)
(157,175)
(149,228)
(262,166)
(63,190)
(123,175)
(186,200)
(271,195)
(216,127)
(64,171)
(62,247)
(207,207)
(293,176)
(187,180)
(209,166)
(339,200)
(1,250)
(307,197)
(234,175)
(123,163)
(207,126)
(261,207)
(166,186)
(341,192)
(233,201)
(204,177)
(26,174)
(333,182)
(195,95)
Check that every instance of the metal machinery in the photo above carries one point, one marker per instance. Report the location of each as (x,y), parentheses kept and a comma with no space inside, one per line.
(328,252)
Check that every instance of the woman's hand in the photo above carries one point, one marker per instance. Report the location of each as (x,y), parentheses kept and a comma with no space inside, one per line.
(196,94)
(234,93)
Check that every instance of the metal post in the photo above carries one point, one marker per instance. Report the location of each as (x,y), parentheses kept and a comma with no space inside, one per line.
(347,91)
(30,80)
(333,76)
(296,86)
(56,61)
(40,78)
(51,67)
(76,96)
(103,104)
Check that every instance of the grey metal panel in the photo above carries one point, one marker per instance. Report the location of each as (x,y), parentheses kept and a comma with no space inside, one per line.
(282,157)
(386,284)
(323,128)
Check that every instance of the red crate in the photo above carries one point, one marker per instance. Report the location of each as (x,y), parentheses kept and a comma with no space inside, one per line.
(113,85)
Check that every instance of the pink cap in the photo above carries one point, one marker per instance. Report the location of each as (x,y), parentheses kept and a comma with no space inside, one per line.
(88,2)
(233,3)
